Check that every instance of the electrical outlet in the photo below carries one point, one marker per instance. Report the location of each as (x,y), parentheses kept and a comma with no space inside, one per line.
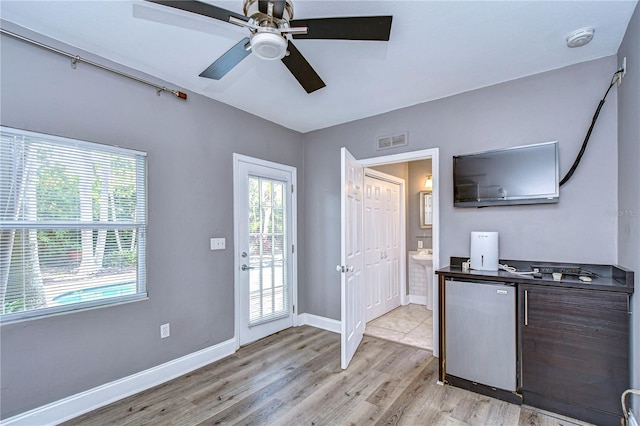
(543,269)
(419,244)
(563,269)
(165,331)
(568,270)
(217,243)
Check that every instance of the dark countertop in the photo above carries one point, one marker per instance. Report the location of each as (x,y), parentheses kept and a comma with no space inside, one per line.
(609,277)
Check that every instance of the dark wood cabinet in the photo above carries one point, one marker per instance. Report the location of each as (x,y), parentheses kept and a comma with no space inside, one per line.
(574,345)
(572,337)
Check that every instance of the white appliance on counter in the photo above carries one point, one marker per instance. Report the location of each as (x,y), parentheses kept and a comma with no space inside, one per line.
(480,326)
(484,251)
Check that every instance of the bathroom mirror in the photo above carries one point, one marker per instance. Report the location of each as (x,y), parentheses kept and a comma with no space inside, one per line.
(426,209)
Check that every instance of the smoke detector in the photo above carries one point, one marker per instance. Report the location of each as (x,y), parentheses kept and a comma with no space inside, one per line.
(580,37)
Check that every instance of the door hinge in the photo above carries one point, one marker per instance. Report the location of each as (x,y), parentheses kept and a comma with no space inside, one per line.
(294,308)
(292,189)
(293,248)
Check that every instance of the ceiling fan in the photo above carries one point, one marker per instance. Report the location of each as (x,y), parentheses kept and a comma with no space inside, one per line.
(270,23)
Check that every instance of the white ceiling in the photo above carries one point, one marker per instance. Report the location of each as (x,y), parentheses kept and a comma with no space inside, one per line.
(436,49)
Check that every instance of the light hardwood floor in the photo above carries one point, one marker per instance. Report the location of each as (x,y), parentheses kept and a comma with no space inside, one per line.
(294,378)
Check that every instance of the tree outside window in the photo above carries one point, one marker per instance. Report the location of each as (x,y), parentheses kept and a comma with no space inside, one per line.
(72,224)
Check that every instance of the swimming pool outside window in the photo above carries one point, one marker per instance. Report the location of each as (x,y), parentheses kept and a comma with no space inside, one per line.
(72,224)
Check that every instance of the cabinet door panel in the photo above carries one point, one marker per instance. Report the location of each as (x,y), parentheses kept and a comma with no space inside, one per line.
(575,345)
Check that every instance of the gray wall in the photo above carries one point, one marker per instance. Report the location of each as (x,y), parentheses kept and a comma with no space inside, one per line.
(190,199)
(418,171)
(629,177)
(190,146)
(400,170)
(556,105)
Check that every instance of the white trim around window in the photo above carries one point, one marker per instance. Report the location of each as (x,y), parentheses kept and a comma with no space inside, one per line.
(72,225)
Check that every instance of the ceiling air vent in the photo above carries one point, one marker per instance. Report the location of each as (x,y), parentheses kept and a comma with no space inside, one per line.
(386,142)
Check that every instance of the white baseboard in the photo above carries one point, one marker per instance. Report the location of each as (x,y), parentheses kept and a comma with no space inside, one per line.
(83,402)
(418,300)
(319,322)
(75,405)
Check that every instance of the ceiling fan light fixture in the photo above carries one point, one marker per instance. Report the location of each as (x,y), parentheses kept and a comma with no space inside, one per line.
(269,46)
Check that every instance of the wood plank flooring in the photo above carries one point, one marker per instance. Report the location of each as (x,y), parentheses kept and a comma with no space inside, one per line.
(294,378)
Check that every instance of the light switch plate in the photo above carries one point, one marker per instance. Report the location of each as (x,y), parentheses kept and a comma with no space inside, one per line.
(218,243)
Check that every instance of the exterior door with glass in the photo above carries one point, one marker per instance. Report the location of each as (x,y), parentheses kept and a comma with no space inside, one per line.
(265,247)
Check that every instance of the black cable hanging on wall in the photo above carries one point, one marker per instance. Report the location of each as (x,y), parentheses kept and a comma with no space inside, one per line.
(616,78)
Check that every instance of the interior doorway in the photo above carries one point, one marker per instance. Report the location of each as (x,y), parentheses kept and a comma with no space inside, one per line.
(431,317)
(399,306)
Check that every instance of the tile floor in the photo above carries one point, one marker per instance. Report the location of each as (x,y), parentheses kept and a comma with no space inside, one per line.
(410,324)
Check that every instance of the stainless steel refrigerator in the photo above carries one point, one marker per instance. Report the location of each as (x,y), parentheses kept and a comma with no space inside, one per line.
(480,321)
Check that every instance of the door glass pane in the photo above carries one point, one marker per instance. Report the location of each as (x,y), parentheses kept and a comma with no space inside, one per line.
(268,287)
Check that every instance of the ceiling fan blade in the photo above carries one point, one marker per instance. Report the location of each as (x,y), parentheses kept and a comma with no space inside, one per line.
(230,59)
(200,8)
(376,28)
(302,70)
(278,7)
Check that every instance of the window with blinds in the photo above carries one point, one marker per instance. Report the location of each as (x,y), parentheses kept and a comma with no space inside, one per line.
(72,224)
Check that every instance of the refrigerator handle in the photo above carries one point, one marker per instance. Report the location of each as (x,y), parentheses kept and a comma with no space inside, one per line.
(526,307)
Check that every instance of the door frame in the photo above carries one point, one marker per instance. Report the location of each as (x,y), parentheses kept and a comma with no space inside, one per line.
(424,154)
(403,219)
(293,236)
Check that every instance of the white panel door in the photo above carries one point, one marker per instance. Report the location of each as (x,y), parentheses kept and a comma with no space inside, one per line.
(382,247)
(392,245)
(374,264)
(351,257)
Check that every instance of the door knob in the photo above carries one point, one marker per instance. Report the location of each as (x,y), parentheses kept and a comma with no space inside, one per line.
(246,267)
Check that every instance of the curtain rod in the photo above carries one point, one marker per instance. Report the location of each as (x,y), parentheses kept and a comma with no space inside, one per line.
(75,59)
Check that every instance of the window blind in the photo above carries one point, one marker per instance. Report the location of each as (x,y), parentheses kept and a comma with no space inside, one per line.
(72,224)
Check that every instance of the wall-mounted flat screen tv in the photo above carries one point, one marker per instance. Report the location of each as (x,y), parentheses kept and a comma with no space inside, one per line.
(521,175)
